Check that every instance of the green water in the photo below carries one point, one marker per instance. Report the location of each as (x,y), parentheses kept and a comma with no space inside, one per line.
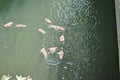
(90,48)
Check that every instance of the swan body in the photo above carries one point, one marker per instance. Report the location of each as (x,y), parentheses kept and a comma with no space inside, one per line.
(43,52)
(41,31)
(52,50)
(9,24)
(20,77)
(61,54)
(55,27)
(6,77)
(62,38)
(20,25)
(48,20)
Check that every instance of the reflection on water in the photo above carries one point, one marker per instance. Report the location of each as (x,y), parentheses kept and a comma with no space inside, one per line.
(85,57)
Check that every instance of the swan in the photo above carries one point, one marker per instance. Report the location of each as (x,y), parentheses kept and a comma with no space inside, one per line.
(41,30)
(9,24)
(55,27)
(20,25)
(20,77)
(43,52)
(61,53)
(29,78)
(6,77)
(52,50)
(62,38)
(48,20)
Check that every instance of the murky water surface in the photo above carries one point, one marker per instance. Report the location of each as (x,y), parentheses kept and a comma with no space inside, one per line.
(88,48)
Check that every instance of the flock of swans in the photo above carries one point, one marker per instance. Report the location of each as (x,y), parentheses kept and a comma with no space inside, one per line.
(52,50)
(43,50)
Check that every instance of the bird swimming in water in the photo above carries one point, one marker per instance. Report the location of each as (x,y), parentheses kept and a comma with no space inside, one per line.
(20,25)
(20,77)
(6,77)
(62,38)
(28,78)
(41,30)
(43,52)
(52,50)
(48,21)
(9,24)
(61,53)
(55,27)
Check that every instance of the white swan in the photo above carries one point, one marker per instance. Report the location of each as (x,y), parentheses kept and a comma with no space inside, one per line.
(43,52)
(20,77)
(48,20)
(20,25)
(55,27)
(62,38)
(9,24)
(6,77)
(61,53)
(29,78)
(41,30)
(52,50)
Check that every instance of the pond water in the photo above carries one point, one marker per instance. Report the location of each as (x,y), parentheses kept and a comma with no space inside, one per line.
(90,48)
